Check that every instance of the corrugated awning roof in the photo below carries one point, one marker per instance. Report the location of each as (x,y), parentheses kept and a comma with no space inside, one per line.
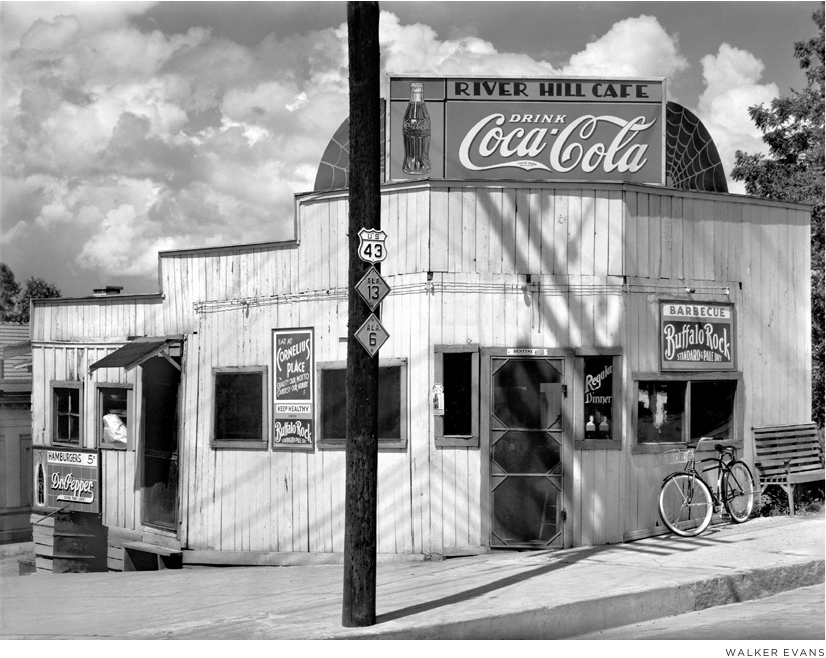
(136,352)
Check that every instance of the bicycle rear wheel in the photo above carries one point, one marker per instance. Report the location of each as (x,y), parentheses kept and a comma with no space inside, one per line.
(685,504)
(738,491)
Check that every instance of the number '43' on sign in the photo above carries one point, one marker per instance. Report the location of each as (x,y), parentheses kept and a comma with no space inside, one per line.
(371,245)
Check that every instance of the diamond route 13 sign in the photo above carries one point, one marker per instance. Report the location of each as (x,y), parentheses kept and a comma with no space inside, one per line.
(372,335)
(372,288)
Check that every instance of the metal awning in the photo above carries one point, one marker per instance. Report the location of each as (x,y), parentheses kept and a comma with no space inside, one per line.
(137,351)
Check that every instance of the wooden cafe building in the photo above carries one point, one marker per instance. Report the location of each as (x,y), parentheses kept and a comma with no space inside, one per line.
(570,292)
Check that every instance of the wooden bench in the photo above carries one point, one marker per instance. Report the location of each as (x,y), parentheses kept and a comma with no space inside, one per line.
(787,455)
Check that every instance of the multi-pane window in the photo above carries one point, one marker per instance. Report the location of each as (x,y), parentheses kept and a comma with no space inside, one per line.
(456,396)
(678,411)
(240,413)
(114,416)
(66,413)
(392,404)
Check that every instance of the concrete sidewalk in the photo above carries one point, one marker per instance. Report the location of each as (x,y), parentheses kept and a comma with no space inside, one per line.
(502,595)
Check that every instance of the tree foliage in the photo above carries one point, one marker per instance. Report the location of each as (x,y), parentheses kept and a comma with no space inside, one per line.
(793,130)
(15,302)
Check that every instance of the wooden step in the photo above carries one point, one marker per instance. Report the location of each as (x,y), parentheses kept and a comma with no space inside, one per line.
(142,556)
(145,547)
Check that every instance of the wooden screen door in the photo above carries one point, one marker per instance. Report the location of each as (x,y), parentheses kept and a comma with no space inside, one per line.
(526,452)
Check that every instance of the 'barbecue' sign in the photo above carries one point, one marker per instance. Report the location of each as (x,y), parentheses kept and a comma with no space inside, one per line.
(696,336)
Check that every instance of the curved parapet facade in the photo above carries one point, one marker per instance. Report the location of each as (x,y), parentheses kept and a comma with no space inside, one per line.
(689,157)
(335,162)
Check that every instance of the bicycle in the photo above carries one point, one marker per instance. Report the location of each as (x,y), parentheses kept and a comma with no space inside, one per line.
(687,503)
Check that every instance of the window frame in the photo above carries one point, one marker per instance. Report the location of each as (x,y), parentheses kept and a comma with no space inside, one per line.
(130,416)
(471,440)
(54,385)
(216,443)
(385,444)
(615,442)
(738,412)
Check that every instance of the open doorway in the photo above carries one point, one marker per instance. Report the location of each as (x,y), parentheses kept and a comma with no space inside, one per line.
(159,483)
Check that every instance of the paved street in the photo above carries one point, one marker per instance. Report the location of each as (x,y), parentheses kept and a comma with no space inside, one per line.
(794,615)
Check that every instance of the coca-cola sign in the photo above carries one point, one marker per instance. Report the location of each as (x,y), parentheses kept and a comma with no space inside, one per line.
(568,129)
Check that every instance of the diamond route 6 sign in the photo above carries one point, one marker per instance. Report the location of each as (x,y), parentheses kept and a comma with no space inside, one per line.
(372,335)
(372,288)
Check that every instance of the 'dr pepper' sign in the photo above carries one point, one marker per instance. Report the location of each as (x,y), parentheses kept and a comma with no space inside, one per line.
(70,479)
(696,336)
(293,385)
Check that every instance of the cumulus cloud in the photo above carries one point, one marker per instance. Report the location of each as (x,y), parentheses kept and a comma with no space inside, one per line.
(119,142)
(417,49)
(732,79)
(633,47)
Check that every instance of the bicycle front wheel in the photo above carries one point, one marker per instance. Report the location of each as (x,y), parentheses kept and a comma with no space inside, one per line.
(685,504)
(738,491)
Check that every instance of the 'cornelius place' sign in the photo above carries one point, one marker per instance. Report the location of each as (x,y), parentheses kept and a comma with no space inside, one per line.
(566,128)
(696,336)
(293,383)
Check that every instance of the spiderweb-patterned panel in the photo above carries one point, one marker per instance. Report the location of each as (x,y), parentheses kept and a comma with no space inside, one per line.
(334,168)
(691,158)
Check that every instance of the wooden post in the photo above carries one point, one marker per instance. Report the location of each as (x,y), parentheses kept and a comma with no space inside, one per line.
(359,604)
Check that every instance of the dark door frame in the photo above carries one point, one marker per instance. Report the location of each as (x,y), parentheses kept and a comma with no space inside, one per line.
(566,356)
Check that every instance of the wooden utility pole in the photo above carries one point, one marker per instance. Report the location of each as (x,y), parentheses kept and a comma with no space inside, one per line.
(359,605)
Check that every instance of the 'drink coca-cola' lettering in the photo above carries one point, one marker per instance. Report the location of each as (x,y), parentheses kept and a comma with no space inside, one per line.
(495,143)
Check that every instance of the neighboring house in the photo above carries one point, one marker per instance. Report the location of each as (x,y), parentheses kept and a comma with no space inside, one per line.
(15,433)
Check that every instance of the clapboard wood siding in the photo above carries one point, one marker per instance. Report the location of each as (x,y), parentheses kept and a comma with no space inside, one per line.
(599,256)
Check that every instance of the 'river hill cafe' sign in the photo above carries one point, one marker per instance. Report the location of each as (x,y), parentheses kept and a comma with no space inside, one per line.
(560,129)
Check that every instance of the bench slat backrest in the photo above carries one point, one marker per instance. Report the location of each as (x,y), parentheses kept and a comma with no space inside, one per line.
(795,445)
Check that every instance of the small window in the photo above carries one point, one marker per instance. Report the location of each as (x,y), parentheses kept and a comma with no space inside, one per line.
(683,411)
(661,412)
(240,413)
(392,404)
(114,414)
(456,396)
(66,413)
(599,379)
(712,409)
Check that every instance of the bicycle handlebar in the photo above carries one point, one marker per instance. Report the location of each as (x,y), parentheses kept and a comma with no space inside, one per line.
(721,446)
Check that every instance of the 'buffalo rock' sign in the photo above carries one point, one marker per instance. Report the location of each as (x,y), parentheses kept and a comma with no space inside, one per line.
(293,385)
(571,128)
(696,336)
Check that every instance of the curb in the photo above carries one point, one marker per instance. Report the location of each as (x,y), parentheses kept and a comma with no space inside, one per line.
(583,617)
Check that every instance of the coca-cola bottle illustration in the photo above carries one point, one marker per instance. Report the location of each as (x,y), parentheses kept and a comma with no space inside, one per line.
(416,132)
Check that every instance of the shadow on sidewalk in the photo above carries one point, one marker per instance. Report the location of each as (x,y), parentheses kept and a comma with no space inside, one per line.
(666,545)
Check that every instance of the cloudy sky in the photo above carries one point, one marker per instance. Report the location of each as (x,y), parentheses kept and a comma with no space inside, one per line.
(134,127)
